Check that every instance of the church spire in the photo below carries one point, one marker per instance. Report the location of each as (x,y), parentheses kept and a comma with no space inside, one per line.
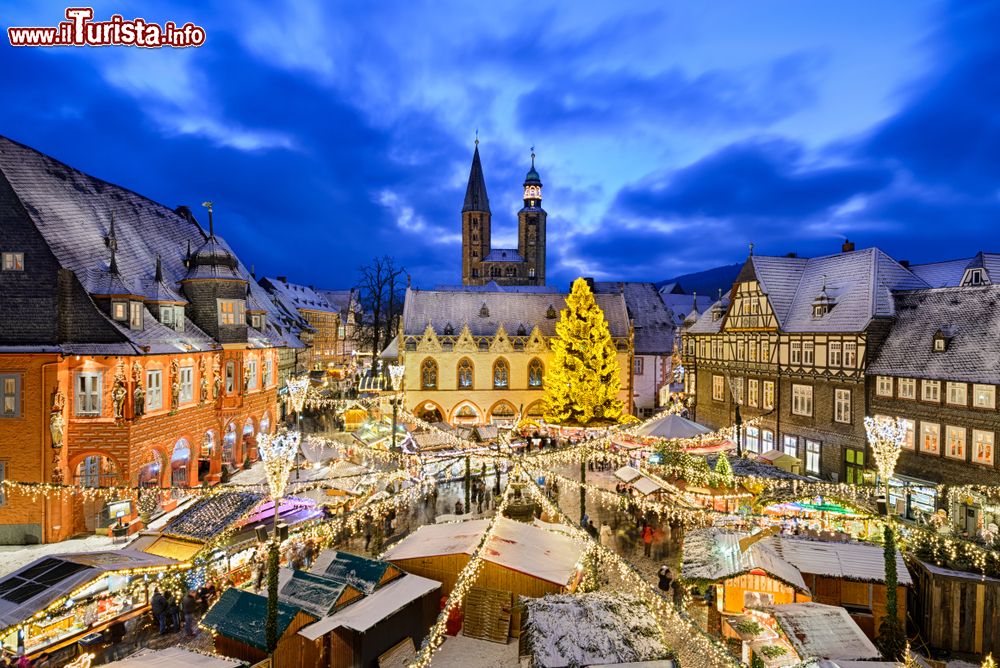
(475,193)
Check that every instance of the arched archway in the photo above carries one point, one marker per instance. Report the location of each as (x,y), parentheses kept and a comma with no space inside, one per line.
(180,464)
(535,410)
(503,414)
(229,446)
(150,473)
(96,469)
(429,412)
(467,414)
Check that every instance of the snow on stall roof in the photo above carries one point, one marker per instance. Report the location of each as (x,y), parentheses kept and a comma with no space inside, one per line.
(174,657)
(588,629)
(714,554)
(947,572)
(823,631)
(627,474)
(852,561)
(547,555)
(646,486)
(372,609)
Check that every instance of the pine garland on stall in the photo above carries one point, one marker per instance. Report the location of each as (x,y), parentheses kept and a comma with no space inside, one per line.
(891,636)
(583,379)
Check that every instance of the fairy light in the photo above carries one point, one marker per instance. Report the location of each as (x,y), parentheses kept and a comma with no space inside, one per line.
(298,388)
(886,436)
(278,451)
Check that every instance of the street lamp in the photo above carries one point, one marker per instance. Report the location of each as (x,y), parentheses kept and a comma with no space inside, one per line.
(298,390)
(278,452)
(886,436)
(396,377)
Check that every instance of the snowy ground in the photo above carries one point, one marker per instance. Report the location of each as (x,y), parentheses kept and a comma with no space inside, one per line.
(462,652)
(13,557)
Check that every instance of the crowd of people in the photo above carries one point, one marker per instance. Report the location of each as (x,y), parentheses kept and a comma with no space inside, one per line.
(173,613)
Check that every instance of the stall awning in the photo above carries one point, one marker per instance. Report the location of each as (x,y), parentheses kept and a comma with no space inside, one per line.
(174,548)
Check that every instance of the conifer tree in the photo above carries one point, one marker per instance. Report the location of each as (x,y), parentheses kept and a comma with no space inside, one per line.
(583,379)
(725,469)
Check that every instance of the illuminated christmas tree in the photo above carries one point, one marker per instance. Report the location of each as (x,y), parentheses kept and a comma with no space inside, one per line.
(583,379)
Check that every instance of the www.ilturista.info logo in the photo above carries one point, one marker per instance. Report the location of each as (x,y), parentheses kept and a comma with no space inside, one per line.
(81,30)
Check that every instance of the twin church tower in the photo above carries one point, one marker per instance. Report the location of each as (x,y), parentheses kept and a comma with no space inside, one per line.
(481,263)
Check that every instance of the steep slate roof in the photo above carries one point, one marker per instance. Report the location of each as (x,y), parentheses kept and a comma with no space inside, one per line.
(949,273)
(343,300)
(475,193)
(512,310)
(654,323)
(303,297)
(73,212)
(972,354)
(493,286)
(705,324)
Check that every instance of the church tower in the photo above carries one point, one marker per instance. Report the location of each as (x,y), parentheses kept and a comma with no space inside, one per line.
(531,228)
(475,225)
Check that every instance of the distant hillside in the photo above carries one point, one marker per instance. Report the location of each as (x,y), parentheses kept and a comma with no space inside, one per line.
(707,282)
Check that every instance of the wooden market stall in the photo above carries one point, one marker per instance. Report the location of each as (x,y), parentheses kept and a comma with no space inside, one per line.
(956,611)
(520,560)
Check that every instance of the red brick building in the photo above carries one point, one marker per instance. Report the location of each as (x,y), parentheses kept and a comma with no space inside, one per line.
(135,349)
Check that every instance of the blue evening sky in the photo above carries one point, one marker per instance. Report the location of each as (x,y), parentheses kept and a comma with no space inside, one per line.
(669,134)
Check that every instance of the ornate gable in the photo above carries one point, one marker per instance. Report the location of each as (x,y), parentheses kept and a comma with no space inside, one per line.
(501,342)
(749,309)
(536,342)
(465,343)
(429,342)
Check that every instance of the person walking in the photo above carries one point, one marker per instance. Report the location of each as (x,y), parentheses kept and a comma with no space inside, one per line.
(189,606)
(173,612)
(158,606)
(607,537)
(647,540)
(458,508)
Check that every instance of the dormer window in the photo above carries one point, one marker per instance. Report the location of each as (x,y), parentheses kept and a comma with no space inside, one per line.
(942,339)
(135,315)
(521,331)
(13,261)
(823,303)
(716,312)
(119,311)
(449,330)
(975,276)
(484,312)
(257,321)
(551,313)
(231,312)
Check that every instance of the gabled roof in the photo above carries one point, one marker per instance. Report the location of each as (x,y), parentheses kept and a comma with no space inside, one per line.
(315,594)
(241,616)
(714,554)
(863,562)
(949,273)
(973,352)
(362,573)
(343,300)
(503,255)
(510,309)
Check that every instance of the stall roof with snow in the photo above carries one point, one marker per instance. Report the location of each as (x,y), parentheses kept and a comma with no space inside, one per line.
(714,554)
(599,628)
(823,631)
(210,516)
(240,616)
(863,562)
(373,608)
(174,657)
(362,573)
(627,474)
(673,426)
(317,595)
(36,586)
(547,555)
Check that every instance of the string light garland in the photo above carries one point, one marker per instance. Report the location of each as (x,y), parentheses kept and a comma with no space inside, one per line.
(278,452)
(298,390)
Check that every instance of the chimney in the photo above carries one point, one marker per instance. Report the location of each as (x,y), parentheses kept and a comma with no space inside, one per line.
(847,247)
(792,255)
(283,279)
(904,263)
(590,282)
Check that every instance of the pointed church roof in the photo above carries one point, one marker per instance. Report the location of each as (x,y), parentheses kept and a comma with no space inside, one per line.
(475,194)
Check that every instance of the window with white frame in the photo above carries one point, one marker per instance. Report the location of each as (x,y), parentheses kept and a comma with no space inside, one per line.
(766,440)
(930,390)
(231,312)
(850,354)
(954,442)
(753,392)
(230,377)
(907,388)
(187,384)
(637,366)
(982,447)
(753,439)
(88,393)
(767,400)
(984,396)
(135,315)
(835,354)
(154,389)
(790,444)
(812,456)
(252,366)
(752,349)
(842,406)
(268,370)
(119,311)
(808,356)
(883,386)
(958,394)
(930,438)
(718,388)
(802,400)
(765,351)
(795,357)
(13,261)
(737,388)
(909,432)
(10,395)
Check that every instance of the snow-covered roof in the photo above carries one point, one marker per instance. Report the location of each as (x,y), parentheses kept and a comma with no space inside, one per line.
(513,310)
(627,474)
(673,426)
(646,486)
(823,631)
(546,555)
(714,554)
(973,351)
(851,561)
(365,613)
(595,629)
(174,657)
(303,297)
(654,323)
